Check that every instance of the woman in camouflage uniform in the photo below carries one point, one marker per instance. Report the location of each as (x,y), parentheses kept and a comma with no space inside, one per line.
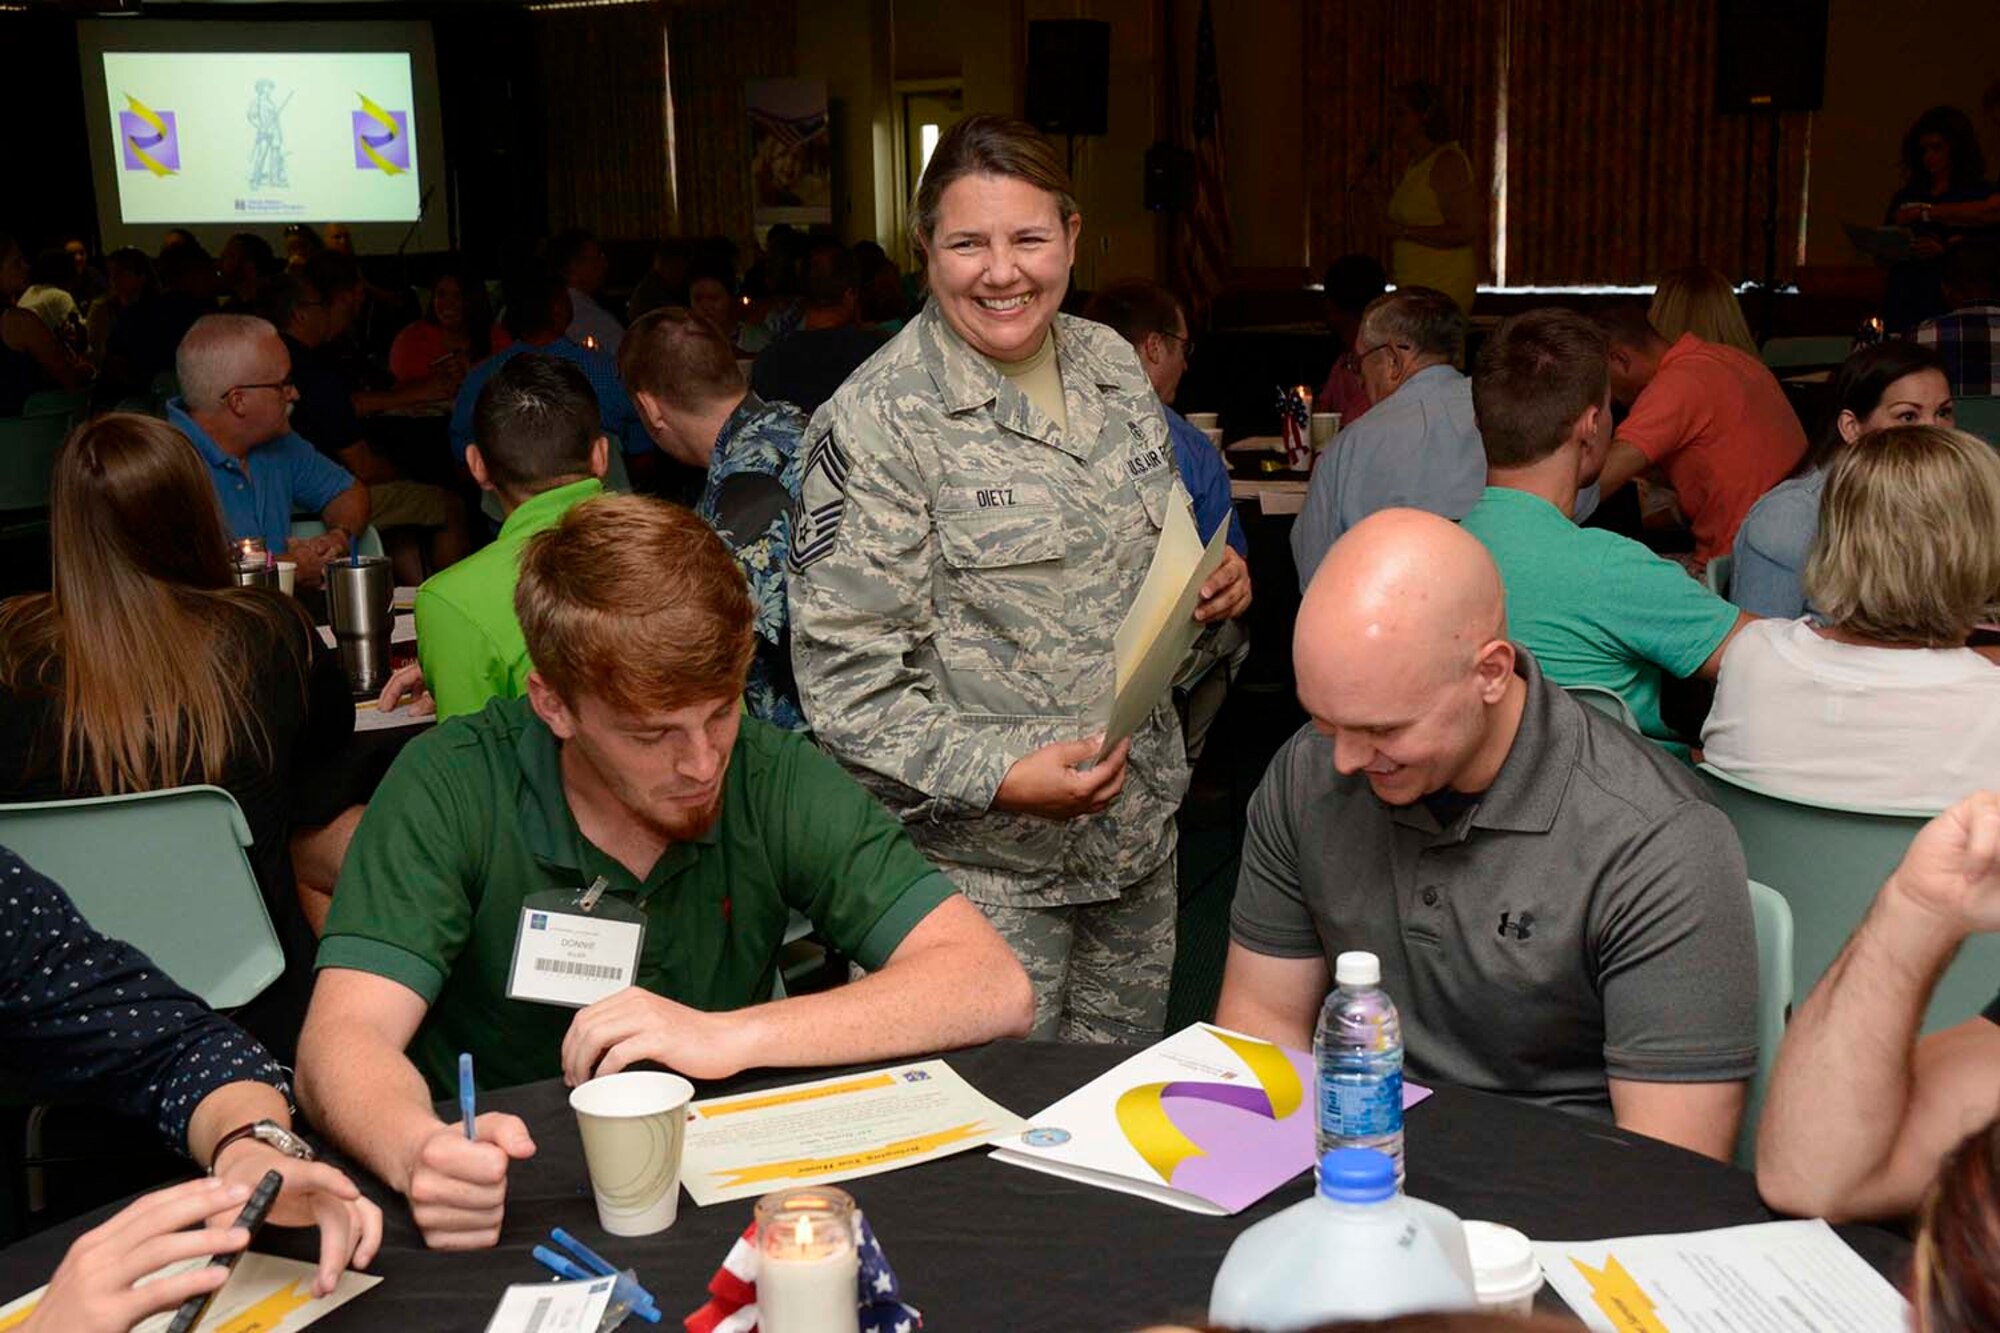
(978,509)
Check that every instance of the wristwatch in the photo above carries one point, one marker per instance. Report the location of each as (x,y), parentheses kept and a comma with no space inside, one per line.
(267,1132)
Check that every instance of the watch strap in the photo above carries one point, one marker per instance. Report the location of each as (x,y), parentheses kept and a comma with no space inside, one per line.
(250,1131)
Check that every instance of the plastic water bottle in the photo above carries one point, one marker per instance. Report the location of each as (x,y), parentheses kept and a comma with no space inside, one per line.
(1358,1052)
(1356,1250)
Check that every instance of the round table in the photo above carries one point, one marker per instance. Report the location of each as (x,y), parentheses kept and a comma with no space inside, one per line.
(979,1245)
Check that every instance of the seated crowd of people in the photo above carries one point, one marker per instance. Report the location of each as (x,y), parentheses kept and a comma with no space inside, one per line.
(864,678)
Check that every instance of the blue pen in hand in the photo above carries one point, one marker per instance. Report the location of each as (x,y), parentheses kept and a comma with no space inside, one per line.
(467,1099)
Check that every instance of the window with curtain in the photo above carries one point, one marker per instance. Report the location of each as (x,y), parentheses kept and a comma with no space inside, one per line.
(1592,127)
(716,48)
(604,86)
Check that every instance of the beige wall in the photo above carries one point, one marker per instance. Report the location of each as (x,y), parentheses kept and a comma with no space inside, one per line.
(1884,65)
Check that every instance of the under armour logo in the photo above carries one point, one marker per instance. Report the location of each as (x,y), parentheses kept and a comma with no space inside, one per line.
(1520,928)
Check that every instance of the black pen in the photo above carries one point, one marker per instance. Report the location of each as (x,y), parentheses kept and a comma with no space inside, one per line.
(252,1217)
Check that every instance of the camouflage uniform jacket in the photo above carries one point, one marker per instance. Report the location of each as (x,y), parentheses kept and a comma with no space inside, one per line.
(960,565)
(753,478)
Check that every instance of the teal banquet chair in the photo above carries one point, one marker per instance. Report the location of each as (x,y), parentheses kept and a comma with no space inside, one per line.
(1980,415)
(167,871)
(1716,575)
(1608,702)
(1772,916)
(1829,862)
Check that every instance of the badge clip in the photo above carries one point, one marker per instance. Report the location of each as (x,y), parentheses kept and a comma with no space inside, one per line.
(593,893)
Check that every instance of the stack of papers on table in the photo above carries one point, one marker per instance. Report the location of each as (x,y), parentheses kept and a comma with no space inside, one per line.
(1208,1120)
(1773,1275)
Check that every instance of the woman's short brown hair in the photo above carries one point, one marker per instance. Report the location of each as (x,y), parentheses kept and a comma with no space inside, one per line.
(1908,549)
(989,145)
(637,603)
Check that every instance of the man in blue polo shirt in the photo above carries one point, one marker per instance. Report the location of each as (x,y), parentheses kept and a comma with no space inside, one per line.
(235,407)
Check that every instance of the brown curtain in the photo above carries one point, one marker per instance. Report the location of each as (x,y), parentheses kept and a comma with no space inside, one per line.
(1618,164)
(716,46)
(1357,52)
(603,74)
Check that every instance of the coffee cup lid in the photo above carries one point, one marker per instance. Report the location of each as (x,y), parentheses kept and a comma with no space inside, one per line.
(1503,1260)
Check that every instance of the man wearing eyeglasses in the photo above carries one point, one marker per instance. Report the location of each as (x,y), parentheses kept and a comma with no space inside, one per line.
(1418,447)
(235,408)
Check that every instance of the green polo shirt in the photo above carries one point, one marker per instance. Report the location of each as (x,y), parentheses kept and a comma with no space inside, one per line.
(1596,608)
(468,638)
(472,819)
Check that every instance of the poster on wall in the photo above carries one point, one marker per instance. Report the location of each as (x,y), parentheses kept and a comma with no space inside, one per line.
(791,152)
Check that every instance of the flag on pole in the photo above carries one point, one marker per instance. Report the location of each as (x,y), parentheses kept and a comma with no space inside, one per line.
(1203,252)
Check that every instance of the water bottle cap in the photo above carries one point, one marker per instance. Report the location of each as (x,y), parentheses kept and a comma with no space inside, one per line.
(1357,968)
(1357,1175)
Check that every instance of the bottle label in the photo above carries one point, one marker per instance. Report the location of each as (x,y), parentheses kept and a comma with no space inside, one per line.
(1361,1108)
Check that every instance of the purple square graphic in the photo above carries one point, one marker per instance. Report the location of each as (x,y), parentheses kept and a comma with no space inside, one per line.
(136,132)
(396,151)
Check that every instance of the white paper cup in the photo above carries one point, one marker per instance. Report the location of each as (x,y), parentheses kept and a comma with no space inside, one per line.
(288,574)
(1505,1274)
(634,1126)
(1214,434)
(1325,425)
(1204,420)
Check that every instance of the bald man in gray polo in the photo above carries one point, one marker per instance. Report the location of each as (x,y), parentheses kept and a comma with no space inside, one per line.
(1560,913)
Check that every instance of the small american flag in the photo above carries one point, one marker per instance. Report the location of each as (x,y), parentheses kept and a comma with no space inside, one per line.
(1202,254)
(732,1304)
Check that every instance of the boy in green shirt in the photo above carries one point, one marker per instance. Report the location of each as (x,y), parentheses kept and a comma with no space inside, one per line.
(539,448)
(629,768)
(1593,607)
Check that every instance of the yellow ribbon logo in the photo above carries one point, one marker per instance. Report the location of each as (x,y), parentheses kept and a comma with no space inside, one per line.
(369,145)
(1141,1111)
(137,147)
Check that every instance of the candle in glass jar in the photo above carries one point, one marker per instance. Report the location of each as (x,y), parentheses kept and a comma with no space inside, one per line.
(806,1282)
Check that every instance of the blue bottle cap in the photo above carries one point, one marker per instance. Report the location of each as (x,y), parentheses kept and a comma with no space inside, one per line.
(1357,1175)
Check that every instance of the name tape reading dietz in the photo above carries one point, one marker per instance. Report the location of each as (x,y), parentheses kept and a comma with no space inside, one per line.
(992,497)
(565,967)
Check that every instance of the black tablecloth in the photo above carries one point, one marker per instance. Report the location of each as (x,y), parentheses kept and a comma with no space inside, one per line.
(981,1246)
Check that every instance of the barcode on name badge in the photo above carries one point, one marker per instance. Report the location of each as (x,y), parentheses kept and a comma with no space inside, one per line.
(539,1315)
(564,967)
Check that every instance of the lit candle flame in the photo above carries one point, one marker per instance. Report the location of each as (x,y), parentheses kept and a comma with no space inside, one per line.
(803,1237)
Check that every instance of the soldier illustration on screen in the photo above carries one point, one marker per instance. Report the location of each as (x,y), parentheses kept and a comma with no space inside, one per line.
(267,153)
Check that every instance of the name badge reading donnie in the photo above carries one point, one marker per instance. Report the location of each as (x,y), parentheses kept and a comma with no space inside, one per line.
(574,950)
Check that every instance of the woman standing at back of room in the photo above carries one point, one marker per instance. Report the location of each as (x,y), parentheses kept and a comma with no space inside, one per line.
(145,667)
(1433,216)
(979,505)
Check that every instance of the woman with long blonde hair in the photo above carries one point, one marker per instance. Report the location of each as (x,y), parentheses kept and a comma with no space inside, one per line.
(145,667)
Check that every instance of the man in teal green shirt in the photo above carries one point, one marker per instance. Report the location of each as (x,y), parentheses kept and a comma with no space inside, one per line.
(539,448)
(623,824)
(1593,607)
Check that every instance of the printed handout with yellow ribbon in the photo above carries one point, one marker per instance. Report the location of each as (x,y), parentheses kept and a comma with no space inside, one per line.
(1748,1279)
(1208,1120)
(835,1129)
(264,1295)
